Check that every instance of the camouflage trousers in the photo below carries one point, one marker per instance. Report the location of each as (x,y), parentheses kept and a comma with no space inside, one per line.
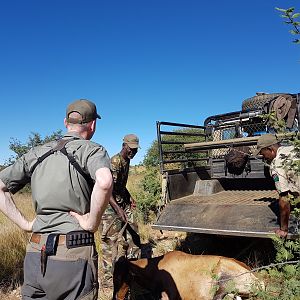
(114,243)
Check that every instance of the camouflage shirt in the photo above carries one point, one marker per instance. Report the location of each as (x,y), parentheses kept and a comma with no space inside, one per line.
(120,170)
(285,178)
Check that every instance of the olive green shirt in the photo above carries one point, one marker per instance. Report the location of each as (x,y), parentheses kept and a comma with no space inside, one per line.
(57,187)
(120,170)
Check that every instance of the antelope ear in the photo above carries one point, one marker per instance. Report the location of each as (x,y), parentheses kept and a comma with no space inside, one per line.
(121,260)
(121,264)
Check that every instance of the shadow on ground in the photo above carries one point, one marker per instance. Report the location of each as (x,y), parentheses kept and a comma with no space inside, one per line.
(252,251)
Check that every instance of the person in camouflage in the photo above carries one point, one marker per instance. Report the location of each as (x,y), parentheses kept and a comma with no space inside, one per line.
(119,212)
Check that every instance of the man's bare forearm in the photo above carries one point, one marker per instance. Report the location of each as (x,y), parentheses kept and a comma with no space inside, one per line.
(113,203)
(8,207)
(285,209)
(118,210)
(100,197)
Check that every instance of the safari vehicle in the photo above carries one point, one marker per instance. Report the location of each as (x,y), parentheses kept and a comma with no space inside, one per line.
(199,193)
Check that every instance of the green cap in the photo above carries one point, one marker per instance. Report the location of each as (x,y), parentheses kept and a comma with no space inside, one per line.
(264,141)
(131,140)
(85,108)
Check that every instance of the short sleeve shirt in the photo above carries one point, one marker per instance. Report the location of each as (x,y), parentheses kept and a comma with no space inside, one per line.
(285,179)
(120,170)
(57,187)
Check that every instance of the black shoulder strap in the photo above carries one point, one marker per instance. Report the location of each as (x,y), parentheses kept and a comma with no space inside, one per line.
(60,146)
(76,165)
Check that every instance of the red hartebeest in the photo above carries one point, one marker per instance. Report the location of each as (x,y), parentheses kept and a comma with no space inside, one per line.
(180,276)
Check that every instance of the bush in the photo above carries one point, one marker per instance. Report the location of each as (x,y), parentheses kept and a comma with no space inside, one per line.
(150,195)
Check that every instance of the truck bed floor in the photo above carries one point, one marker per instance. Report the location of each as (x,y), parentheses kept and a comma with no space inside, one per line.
(237,213)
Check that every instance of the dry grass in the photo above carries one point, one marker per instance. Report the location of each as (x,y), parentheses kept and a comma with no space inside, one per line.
(13,242)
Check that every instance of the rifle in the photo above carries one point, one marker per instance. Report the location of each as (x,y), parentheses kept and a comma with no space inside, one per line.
(135,236)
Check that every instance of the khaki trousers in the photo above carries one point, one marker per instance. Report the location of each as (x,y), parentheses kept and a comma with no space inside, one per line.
(70,273)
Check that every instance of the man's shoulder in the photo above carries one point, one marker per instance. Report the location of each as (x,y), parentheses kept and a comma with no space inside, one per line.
(116,159)
(285,150)
(85,145)
(41,149)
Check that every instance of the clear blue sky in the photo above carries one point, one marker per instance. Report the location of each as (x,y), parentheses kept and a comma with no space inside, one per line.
(139,61)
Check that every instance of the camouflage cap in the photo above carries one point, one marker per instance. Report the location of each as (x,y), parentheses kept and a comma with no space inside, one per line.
(264,141)
(131,140)
(85,108)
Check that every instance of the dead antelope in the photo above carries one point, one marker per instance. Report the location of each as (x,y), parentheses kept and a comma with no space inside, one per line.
(180,276)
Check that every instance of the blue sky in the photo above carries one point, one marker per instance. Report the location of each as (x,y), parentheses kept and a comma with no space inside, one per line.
(139,61)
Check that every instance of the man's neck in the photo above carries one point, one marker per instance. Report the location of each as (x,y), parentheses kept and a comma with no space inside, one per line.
(83,135)
(124,155)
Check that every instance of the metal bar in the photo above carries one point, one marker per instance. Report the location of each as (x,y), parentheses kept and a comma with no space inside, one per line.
(176,143)
(174,151)
(221,231)
(181,133)
(161,164)
(185,160)
(181,125)
(217,117)
(218,146)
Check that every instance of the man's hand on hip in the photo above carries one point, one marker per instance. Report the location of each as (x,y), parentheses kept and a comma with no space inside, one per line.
(83,221)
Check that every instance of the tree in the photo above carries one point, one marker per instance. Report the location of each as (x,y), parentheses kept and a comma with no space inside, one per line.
(291,19)
(151,158)
(34,140)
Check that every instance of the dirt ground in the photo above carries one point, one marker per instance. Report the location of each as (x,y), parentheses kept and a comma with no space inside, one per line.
(254,252)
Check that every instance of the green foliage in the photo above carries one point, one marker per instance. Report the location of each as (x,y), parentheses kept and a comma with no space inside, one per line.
(271,119)
(151,158)
(150,190)
(291,19)
(284,280)
(34,140)
(286,249)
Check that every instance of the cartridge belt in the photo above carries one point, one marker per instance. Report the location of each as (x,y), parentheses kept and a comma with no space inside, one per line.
(72,239)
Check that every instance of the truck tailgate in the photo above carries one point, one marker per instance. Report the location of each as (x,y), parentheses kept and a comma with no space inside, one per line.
(235,213)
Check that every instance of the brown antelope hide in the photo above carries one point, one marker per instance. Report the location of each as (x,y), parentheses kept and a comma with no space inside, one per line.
(180,276)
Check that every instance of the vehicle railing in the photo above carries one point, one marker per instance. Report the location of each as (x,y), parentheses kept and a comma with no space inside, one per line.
(162,137)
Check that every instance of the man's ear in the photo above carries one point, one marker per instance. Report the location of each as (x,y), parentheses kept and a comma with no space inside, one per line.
(93,125)
(65,122)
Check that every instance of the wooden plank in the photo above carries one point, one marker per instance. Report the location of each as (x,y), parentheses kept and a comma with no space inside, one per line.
(213,144)
(232,142)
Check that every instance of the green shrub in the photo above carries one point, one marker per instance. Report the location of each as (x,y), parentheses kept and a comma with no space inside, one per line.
(150,192)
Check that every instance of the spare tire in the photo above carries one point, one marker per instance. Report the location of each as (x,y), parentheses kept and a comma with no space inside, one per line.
(257,102)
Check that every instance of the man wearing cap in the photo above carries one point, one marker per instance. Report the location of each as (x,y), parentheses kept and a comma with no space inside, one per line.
(287,182)
(121,203)
(71,185)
